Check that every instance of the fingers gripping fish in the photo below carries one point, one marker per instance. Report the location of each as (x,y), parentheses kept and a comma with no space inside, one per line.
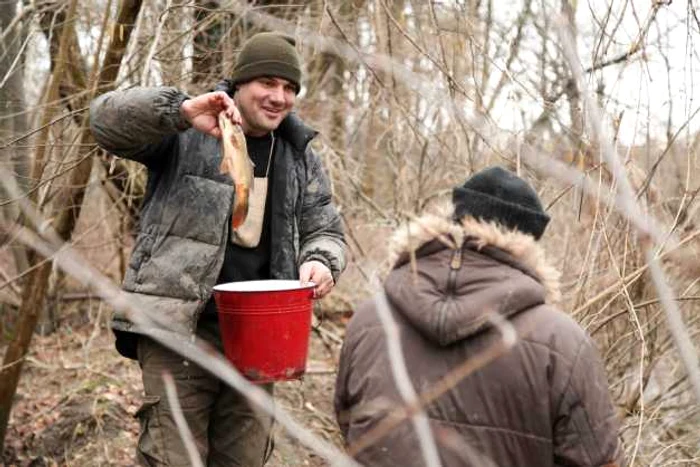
(236,163)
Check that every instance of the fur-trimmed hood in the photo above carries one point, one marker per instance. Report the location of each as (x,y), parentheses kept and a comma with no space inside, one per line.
(448,277)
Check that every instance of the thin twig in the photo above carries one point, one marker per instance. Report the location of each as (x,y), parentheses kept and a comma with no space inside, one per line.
(180,422)
(154,44)
(403,381)
(17,59)
(684,344)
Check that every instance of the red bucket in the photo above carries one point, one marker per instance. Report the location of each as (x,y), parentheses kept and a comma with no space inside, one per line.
(265,327)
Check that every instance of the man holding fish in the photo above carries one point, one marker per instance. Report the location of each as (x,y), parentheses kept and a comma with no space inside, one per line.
(234,193)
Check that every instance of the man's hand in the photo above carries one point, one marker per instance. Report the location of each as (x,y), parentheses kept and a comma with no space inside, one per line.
(203,111)
(319,274)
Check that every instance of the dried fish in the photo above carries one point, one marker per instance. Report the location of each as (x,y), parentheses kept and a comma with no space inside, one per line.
(237,164)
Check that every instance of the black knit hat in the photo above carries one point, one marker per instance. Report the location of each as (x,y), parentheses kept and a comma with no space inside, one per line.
(495,194)
(268,54)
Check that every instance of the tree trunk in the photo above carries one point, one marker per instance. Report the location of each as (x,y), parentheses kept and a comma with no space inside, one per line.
(382,114)
(376,124)
(13,122)
(118,181)
(35,291)
(207,59)
(572,91)
(326,75)
(37,281)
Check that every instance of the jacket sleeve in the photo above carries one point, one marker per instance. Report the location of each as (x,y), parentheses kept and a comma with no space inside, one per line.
(586,426)
(321,231)
(135,123)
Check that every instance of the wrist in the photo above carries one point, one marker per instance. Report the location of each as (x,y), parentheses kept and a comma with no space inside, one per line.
(184,122)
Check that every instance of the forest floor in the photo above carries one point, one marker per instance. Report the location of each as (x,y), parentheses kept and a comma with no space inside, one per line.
(77,397)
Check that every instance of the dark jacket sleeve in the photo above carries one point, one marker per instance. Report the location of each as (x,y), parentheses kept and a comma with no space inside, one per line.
(321,230)
(136,123)
(586,427)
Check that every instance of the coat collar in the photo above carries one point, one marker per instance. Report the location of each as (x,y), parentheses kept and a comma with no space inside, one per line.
(294,130)
(489,238)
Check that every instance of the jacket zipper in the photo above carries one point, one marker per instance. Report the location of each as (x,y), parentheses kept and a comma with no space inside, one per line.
(455,265)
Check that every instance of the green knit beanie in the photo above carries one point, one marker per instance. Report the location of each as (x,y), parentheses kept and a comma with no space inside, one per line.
(268,54)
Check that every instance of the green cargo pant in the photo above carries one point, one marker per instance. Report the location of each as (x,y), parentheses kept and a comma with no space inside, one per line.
(226,429)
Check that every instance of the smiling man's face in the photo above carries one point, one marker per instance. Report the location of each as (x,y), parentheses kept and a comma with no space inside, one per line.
(263,104)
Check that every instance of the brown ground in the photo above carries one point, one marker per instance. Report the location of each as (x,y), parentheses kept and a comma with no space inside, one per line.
(77,398)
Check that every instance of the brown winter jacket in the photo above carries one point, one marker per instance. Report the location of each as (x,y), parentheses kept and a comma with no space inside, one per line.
(545,402)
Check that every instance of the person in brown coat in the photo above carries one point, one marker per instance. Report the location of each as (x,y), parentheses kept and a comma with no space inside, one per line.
(545,402)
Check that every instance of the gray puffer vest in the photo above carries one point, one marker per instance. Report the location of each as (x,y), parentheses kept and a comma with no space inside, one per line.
(183,229)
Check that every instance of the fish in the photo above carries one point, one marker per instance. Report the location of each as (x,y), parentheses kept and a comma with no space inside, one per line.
(237,164)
